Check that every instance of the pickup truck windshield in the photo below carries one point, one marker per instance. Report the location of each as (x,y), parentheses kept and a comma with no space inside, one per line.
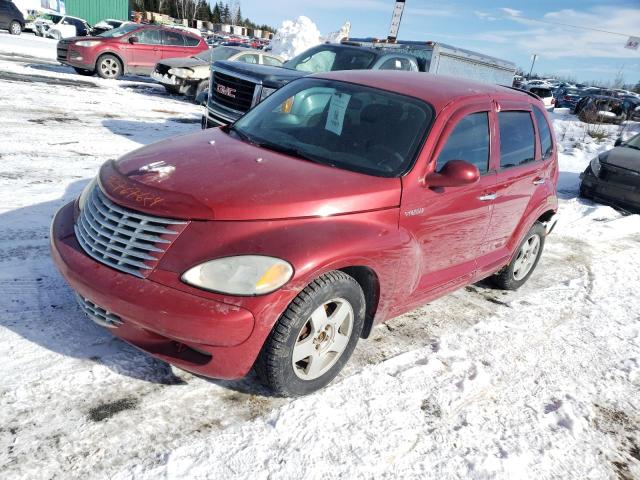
(339,124)
(328,58)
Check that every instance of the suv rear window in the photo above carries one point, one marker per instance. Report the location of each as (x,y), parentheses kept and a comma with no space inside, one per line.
(517,139)
(542,92)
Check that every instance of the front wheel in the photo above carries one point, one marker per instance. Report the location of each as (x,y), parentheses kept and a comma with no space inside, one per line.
(108,66)
(314,337)
(15,28)
(514,275)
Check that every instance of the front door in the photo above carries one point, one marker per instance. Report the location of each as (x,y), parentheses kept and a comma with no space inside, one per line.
(146,52)
(450,223)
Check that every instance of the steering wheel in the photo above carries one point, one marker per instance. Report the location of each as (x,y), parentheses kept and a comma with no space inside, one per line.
(390,153)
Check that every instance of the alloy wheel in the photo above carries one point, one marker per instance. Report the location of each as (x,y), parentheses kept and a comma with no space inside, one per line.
(110,67)
(15,28)
(526,257)
(322,339)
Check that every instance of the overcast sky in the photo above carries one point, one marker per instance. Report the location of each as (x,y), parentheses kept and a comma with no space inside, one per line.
(492,27)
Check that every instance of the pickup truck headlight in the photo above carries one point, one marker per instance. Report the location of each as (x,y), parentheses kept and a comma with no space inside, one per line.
(595,166)
(82,199)
(88,43)
(266,91)
(181,72)
(241,275)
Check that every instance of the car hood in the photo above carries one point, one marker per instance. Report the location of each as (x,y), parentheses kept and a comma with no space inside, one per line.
(622,157)
(272,77)
(211,176)
(184,62)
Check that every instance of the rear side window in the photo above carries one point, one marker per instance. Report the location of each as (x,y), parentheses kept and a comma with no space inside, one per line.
(545,133)
(469,141)
(191,41)
(274,62)
(517,139)
(173,38)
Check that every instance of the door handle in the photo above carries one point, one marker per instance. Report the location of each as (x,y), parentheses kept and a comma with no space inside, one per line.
(538,181)
(487,197)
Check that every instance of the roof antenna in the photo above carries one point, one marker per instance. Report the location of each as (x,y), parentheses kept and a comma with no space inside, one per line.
(395,21)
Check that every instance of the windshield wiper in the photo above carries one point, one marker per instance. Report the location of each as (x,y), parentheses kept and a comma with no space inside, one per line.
(631,146)
(243,136)
(287,150)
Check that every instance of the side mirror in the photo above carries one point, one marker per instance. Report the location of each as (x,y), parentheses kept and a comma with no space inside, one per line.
(618,142)
(455,173)
(133,40)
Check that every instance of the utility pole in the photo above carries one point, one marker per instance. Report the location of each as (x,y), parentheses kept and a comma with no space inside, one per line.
(534,57)
(395,20)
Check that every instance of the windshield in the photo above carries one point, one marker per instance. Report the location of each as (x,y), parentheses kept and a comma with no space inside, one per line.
(120,31)
(340,124)
(51,18)
(218,53)
(633,142)
(328,58)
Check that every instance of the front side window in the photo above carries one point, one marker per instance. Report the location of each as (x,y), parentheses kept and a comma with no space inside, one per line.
(545,133)
(517,138)
(149,36)
(469,141)
(340,124)
(327,58)
(172,39)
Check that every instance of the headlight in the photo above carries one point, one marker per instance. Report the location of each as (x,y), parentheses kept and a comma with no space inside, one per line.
(241,275)
(266,91)
(82,199)
(595,166)
(181,72)
(88,43)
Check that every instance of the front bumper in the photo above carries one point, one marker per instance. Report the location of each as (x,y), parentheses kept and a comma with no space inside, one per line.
(198,334)
(171,80)
(609,193)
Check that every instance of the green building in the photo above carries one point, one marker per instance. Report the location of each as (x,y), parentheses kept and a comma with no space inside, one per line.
(95,10)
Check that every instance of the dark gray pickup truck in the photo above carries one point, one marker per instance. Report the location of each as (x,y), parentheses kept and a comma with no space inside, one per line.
(234,87)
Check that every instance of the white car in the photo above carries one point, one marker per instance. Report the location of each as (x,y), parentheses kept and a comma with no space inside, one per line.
(546,95)
(538,83)
(65,27)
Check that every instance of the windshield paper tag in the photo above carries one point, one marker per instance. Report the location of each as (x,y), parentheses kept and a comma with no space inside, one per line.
(337,109)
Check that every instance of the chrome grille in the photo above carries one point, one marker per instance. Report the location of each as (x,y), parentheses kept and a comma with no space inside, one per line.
(97,314)
(123,239)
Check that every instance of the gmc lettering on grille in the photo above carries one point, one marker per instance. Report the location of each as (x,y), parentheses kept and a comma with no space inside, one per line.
(228,91)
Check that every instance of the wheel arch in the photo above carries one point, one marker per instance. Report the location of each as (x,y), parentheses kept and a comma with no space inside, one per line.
(370,284)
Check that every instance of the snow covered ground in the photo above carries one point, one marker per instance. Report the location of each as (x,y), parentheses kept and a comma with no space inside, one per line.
(540,383)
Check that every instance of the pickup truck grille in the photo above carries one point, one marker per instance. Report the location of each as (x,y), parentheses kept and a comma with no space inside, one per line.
(232,92)
(62,50)
(124,239)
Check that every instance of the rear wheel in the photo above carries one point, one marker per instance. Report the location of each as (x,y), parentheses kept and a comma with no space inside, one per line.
(314,337)
(15,28)
(84,71)
(514,275)
(109,66)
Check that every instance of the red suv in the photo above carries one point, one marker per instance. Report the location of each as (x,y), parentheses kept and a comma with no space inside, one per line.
(342,200)
(131,48)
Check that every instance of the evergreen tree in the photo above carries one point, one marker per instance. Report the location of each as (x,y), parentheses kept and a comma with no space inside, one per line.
(238,17)
(226,14)
(216,15)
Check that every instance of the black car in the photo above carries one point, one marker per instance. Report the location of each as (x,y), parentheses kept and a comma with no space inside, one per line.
(11,18)
(568,97)
(600,109)
(613,177)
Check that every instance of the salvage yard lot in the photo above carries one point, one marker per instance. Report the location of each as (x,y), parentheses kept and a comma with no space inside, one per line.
(539,383)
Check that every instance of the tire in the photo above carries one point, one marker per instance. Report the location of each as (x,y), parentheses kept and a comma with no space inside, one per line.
(514,275)
(84,71)
(109,66)
(325,320)
(15,28)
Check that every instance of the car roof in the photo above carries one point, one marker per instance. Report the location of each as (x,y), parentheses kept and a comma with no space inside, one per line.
(438,90)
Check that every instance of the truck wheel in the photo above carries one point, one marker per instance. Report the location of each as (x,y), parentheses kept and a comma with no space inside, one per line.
(314,337)
(514,275)
(109,66)
(84,71)
(15,28)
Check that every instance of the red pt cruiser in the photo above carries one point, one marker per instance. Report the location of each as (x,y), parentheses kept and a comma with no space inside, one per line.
(342,200)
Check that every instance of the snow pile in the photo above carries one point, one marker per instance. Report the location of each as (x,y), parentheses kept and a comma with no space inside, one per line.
(294,37)
(28,45)
(337,37)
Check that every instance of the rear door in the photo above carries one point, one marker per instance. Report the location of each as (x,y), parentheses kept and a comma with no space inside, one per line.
(520,172)
(173,44)
(146,52)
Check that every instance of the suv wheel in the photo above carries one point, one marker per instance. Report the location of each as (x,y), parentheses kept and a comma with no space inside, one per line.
(314,337)
(84,71)
(514,275)
(108,66)
(15,28)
